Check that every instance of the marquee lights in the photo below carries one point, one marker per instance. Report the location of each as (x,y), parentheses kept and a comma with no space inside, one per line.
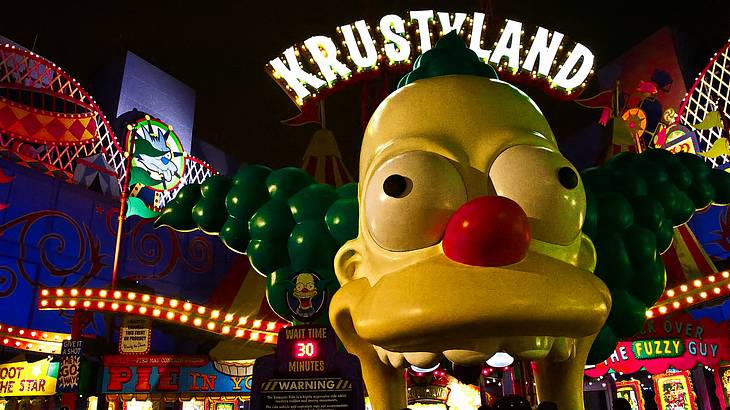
(32,340)
(692,293)
(161,308)
(307,71)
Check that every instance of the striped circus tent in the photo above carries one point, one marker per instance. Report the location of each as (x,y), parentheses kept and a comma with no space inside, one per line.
(323,159)
(242,290)
(685,260)
(245,293)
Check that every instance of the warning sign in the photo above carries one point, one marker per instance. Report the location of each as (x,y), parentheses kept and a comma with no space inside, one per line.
(307,373)
(307,394)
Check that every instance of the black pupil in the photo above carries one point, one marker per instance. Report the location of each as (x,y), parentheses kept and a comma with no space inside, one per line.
(567,177)
(396,186)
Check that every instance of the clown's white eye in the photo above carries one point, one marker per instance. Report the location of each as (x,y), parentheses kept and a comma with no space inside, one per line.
(546,186)
(410,198)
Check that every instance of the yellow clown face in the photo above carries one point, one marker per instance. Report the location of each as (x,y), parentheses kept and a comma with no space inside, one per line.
(470,242)
(304,290)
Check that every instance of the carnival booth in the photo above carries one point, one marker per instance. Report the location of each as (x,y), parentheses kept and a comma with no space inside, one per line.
(676,362)
(180,382)
(29,386)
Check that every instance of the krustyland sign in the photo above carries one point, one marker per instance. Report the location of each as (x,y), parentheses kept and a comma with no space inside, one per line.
(309,71)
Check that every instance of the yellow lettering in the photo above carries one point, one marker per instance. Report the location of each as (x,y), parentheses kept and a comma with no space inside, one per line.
(294,334)
(306,366)
(236,382)
(639,348)
(318,333)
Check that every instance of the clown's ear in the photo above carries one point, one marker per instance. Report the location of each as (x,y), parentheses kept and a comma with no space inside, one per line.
(348,261)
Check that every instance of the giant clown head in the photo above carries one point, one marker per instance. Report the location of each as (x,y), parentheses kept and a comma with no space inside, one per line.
(469,238)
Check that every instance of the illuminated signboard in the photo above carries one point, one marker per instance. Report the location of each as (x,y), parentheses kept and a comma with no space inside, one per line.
(309,70)
(159,374)
(135,335)
(28,379)
(70,367)
(630,390)
(307,370)
(676,341)
(654,348)
(674,391)
(301,346)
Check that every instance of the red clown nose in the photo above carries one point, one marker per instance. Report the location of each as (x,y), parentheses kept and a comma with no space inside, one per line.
(487,231)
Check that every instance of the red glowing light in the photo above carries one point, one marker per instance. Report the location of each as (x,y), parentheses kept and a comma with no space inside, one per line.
(305,350)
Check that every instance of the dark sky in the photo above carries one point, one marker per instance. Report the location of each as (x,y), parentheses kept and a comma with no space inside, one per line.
(220,49)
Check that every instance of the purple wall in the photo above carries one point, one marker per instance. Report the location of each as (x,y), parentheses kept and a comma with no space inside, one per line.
(148,89)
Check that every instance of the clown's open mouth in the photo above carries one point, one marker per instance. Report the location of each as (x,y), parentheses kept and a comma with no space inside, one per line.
(305,303)
(467,314)
(525,348)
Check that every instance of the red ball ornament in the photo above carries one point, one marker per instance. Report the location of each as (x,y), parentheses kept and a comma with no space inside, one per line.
(487,231)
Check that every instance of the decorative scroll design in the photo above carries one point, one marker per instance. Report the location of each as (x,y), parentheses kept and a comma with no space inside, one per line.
(150,249)
(162,248)
(86,263)
(8,281)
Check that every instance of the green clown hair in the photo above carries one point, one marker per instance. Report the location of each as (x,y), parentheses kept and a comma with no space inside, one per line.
(286,224)
(284,221)
(634,202)
(449,56)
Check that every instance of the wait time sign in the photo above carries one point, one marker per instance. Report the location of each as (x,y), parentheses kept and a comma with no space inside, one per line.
(307,373)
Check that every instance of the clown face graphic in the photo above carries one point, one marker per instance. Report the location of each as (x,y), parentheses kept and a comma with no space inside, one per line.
(304,290)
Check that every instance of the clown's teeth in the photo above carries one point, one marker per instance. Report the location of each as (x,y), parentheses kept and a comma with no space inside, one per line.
(422,359)
(466,357)
(382,355)
(397,360)
(401,360)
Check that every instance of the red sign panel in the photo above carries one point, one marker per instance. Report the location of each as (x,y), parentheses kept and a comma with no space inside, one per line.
(676,341)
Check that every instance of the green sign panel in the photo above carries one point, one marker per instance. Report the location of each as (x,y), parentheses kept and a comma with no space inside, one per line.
(655,348)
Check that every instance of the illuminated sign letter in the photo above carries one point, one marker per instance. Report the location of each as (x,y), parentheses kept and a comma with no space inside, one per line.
(169,378)
(293,74)
(508,45)
(117,377)
(542,51)
(397,48)
(143,379)
(447,26)
(422,17)
(476,37)
(371,54)
(579,53)
(324,53)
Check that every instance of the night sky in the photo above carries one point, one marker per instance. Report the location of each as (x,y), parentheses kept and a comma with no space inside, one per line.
(220,49)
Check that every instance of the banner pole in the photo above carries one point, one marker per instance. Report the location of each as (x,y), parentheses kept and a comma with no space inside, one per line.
(123,206)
